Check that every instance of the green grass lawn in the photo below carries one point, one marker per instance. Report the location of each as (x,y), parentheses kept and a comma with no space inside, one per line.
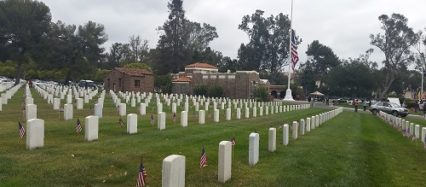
(353,149)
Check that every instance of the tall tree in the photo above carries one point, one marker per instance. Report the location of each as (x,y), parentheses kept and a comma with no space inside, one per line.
(92,36)
(23,24)
(321,59)
(200,36)
(395,43)
(180,38)
(354,79)
(267,49)
(172,46)
(138,48)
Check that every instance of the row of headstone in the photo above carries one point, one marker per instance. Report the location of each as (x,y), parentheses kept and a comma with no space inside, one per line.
(407,128)
(35,131)
(53,95)
(4,97)
(5,86)
(173,172)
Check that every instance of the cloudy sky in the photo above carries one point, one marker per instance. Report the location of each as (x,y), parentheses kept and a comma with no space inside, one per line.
(343,25)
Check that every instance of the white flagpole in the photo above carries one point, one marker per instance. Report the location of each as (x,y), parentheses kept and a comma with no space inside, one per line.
(288,95)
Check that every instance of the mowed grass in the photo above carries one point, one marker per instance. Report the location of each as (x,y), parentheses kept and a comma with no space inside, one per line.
(352,149)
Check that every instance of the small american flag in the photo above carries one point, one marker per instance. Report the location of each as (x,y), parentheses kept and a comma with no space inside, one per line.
(21,130)
(233,141)
(120,122)
(294,54)
(203,158)
(174,117)
(152,119)
(141,176)
(78,126)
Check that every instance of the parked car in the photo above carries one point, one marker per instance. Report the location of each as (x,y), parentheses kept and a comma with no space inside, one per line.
(389,107)
(87,84)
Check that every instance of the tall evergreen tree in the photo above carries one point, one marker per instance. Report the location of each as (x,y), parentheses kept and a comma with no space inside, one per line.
(172,47)
(23,24)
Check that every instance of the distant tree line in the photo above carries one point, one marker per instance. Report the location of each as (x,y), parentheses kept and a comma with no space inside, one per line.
(32,46)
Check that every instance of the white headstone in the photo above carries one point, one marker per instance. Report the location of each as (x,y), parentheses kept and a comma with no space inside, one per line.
(31,111)
(79,103)
(184,118)
(294,129)
(68,112)
(122,109)
(35,133)
(133,102)
(69,99)
(159,108)
(302,127)
(142,109)
(201,117)
(228,114)
(254,111)
(417,131)
(285,134)
(224,161)
(132,123)
(173,172)
(56,103)
(173,107)
(161,123)
(308,124)
(91,128)
(29,100)
(98,110)
(253,148)
(272,139)
(238,113)
(313,122)
(424,135)
(216,115)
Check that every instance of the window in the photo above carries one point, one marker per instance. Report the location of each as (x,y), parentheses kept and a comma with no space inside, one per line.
(137,83)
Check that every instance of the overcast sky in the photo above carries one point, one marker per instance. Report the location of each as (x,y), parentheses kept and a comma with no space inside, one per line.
(343,25)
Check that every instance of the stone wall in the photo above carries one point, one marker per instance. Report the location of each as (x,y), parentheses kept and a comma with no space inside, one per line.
(128,82)
(235,85)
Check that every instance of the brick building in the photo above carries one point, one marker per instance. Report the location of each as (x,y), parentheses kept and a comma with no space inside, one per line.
(235,85)
(129,79)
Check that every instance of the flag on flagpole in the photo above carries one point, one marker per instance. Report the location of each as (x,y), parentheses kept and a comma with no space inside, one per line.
(203,158)
(21,130)
(141,181)
(78,127)
(294,54)
(233,141)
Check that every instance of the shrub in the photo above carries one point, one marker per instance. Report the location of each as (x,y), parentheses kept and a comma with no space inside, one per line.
(163,83)
(200,90)
(215,91)
(260,94)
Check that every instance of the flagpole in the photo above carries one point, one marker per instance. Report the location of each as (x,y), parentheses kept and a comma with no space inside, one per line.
(288,95)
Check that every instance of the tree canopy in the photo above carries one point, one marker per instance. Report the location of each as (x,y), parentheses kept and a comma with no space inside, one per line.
(395,43)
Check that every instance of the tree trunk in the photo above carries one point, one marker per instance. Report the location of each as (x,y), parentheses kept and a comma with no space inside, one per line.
(387,84)
(18,72)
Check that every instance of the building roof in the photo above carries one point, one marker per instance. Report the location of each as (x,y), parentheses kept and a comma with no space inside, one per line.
(134,71)
(182,79)
(201,65)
